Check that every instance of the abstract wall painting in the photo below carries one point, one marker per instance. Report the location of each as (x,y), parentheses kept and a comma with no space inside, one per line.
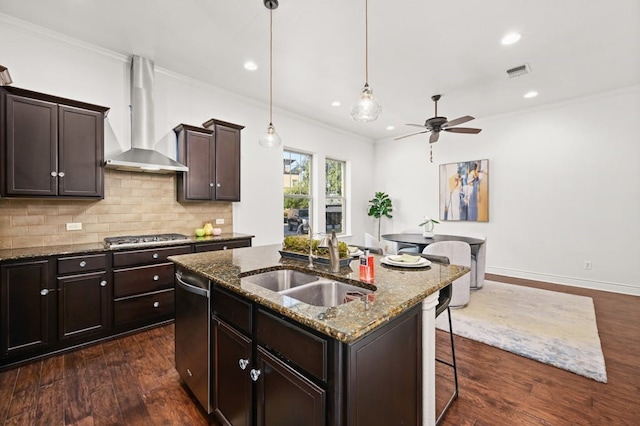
(464,191)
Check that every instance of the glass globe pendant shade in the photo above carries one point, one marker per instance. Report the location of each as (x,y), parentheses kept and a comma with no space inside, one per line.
(270,139)
(368,107)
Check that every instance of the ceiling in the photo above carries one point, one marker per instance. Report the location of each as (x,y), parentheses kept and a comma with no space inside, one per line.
(416,49)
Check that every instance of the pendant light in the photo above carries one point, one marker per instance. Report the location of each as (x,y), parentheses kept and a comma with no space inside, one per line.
(368,107)
(270,139)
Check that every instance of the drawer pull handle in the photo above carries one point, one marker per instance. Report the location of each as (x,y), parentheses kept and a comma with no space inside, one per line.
(156,277)
(83,264)
(156,304)
(243,363)
(44,292)
(254,374)
(224,247)
(189,373)
(155,255)
(103,283)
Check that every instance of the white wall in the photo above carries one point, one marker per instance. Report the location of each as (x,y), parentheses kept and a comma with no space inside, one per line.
(564,188)
(47,62)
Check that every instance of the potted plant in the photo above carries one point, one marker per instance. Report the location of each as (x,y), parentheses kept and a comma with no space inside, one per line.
(379,206)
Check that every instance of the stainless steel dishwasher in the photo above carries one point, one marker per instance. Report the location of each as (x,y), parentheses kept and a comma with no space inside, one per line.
(192,334)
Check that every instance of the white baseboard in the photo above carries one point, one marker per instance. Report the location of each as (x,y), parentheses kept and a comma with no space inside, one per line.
(570,281)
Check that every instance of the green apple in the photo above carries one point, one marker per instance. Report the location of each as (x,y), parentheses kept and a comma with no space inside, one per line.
(200,232)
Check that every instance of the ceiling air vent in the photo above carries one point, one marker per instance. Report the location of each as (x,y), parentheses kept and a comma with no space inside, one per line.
(518,71)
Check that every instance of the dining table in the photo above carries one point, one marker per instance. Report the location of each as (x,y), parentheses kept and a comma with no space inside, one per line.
(421,241)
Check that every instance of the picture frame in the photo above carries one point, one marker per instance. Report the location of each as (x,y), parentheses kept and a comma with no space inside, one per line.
(464,191)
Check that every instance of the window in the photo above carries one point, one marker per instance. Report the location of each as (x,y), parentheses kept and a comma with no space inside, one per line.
(335,196)
(297,192)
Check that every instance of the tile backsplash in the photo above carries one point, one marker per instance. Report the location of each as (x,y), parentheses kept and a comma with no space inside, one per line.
(134,204)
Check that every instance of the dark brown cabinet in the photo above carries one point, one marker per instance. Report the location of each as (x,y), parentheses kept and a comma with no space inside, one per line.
(143,285)
(213,157)
(51,147)
(27,307)
(83,297)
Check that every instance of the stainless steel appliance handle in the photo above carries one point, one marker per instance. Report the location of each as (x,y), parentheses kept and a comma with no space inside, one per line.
(191,288)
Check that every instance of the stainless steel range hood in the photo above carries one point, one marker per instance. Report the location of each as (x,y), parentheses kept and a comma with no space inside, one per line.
(142,157)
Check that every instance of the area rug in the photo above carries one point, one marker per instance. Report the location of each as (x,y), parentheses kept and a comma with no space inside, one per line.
(555,328)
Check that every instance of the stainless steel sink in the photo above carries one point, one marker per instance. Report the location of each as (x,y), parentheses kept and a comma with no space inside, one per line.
(326,293)
(307,288)
(282,279)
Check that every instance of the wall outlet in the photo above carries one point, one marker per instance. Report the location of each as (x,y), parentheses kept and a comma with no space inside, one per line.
(587,264)
(219,221)
(76,226)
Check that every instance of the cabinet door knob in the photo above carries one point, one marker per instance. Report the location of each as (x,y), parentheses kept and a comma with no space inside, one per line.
(155,255)
(218,185)
(61,174)
(103,283)
(211,184)
(243,363)
(44,292)
(54,174)
(156,277)
(83,264)
(254,374)
(224,247)
(156,304)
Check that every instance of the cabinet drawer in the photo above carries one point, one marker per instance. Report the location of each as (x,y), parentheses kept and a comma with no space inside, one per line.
(142,279)
(223,245)
(232,309)
(85,263)
(141,257)
(145,308)
(303,348)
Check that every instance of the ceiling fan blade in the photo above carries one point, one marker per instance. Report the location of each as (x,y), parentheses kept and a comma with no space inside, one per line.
(462,130)
(416,125)
(457,121)
(434,137)
(410,134)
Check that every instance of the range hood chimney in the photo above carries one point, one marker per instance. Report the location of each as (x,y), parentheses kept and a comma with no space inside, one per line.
(142,157)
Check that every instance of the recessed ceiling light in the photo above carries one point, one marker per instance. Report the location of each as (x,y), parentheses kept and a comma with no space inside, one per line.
(511,38)
(336,103)
(390,127)
(531,94)
(250,66)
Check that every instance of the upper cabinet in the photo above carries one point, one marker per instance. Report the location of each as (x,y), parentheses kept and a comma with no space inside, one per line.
(213,157)
(50,146)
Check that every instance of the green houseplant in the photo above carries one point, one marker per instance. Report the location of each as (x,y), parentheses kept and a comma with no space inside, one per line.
(379,206)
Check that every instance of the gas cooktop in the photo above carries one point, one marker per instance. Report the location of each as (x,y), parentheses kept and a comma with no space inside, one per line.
(143,240)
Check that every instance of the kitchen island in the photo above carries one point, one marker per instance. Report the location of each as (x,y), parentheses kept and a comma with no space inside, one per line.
(375,361)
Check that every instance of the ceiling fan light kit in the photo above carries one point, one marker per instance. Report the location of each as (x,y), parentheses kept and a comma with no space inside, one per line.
(437,124)
(270,139)
(367,108)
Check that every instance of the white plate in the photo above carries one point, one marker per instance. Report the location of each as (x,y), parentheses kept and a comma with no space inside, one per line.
(419,264)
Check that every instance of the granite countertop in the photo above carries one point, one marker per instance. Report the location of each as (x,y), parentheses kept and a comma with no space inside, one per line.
(396,289)
(31,252)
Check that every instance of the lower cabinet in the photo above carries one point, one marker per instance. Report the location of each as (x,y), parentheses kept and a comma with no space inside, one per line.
(269,370)
(27,307)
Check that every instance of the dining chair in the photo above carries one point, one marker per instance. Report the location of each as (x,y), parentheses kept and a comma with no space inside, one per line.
(459,253)
(373,242)
(478,265)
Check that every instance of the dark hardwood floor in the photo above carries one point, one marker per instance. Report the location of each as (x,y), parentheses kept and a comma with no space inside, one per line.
(132,380)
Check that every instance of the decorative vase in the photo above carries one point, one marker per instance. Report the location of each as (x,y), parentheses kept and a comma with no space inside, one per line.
(428,228)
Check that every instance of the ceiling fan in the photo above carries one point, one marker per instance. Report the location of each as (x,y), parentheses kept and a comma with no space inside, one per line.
(436,124)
